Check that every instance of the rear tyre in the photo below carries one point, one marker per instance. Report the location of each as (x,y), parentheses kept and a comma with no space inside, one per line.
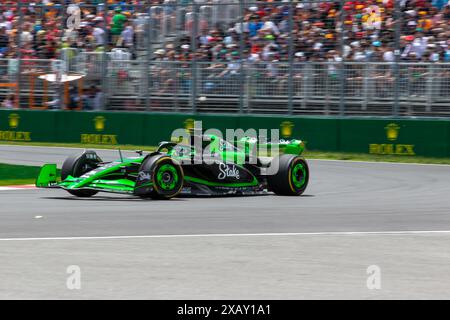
(292,177)
(167,177)
(76,166)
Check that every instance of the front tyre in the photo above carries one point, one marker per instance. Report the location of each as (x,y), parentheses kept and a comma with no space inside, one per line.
(292,176)
(76,166)
(167,176)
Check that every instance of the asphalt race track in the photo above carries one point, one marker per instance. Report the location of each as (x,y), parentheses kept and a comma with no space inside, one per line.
(353,215)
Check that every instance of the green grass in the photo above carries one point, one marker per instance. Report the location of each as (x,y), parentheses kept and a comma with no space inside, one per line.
(79,145)
(17,175)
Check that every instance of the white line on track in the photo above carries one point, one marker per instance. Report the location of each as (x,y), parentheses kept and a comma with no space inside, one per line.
(225,235)
(25,187)
(385,162)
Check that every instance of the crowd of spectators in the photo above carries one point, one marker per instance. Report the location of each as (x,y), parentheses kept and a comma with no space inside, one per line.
(318,31)
(315,31)
(267,32)
(40,29)
(328,31)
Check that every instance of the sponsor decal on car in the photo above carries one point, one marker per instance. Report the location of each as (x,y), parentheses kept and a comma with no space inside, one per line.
(186,190)
(228,171)
(285,141)
(144,176)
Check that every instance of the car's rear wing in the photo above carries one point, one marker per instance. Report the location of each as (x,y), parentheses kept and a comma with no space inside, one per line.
(271,148)
(294,146)
(47,176)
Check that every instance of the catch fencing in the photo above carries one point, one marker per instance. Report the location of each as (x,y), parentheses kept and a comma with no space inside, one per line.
(298,88)
(136,79)
(280,88)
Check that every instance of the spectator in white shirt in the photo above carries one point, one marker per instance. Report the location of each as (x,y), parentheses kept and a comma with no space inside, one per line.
(128,35)
(388,55)
(26,37)
(99,35)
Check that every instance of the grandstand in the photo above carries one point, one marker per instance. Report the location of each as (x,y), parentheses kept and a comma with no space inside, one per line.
(378,57)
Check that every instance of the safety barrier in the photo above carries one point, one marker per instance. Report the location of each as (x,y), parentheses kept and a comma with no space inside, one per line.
(313,88)
(21,81)
(362,135)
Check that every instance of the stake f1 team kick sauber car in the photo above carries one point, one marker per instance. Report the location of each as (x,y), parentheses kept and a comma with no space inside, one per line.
(163,174)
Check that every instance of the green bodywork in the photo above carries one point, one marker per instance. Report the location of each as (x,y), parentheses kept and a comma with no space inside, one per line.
(108,177)
(47,176)
(99,180)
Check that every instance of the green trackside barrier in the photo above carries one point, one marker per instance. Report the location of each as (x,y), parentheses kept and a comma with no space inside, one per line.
(27,126)
(159,127)
(100,128)
(318,133)
(421,137)
(396,137)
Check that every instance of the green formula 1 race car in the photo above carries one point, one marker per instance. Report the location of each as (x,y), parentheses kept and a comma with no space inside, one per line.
(183,169)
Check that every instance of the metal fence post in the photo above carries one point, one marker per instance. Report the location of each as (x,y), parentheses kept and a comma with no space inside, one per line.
(194,59)
(342,73)
(306,70)
(149,40)
(241,52)
(429,87)
(366,86)
(64,19)
(104,78)
(291,58)
(19,51)
(398,24)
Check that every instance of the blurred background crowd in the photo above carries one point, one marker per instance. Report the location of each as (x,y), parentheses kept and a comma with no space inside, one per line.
(263,33)
(260,55)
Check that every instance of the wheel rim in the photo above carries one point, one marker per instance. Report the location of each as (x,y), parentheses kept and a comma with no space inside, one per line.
(167,177)
(299,175)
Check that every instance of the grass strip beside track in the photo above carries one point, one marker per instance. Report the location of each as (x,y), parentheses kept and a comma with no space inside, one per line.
(78,145)
(308,154)
(17,175)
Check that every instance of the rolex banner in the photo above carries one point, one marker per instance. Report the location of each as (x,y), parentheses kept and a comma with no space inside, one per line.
(374,136)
